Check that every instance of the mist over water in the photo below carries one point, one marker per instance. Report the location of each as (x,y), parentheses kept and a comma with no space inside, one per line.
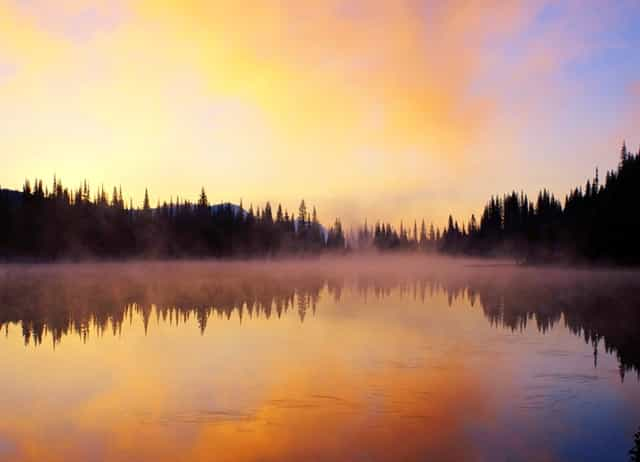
(365,358)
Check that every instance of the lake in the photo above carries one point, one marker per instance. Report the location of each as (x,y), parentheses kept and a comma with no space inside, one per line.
(364,359)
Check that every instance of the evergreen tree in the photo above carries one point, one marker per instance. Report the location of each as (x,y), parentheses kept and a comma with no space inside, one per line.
(203,201)
(423,236)
(302,214)
(267,214)
(145,205)
(624,154)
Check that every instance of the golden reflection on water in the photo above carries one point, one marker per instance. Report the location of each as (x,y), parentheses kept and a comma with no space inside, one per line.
(280,363)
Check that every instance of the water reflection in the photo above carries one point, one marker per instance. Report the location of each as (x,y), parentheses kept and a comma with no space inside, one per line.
(603,307)
(325,360)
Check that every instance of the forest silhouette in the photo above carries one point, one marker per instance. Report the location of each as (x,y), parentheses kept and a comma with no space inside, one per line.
(44,224)
(597,223)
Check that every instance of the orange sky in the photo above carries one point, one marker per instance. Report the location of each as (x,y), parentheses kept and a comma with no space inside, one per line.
(378,109)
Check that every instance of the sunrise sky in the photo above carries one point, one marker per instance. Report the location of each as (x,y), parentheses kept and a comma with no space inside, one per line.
(381,109)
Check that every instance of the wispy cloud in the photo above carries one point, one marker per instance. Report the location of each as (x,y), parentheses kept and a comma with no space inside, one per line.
(323,99)
(75,20)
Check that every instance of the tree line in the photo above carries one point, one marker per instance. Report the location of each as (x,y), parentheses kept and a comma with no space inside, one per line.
(49,224)
(596,223)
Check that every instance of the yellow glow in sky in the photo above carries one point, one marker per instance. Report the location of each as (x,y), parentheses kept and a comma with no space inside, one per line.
(377,109)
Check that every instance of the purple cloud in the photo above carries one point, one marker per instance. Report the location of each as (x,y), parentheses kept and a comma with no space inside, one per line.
(79,24)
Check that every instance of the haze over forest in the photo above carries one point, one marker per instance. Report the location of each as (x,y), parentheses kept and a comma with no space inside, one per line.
(594,224)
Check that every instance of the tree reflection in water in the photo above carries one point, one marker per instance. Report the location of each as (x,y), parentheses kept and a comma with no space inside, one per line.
(61,300)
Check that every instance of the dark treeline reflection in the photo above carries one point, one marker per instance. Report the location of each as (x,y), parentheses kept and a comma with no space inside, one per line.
(602,307)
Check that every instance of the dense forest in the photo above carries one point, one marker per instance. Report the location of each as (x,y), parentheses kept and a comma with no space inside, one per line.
(599,222)
(596,223)
(44,224)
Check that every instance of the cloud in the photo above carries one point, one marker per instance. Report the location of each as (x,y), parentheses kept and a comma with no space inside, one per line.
(73,19)
(7,69)
(447,101)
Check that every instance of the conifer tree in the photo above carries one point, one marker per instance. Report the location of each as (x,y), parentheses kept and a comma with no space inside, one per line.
(302,214)
(145,206)
(203,201)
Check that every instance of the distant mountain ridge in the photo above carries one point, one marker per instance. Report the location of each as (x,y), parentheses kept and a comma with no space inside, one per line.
(215,208)
(14,197)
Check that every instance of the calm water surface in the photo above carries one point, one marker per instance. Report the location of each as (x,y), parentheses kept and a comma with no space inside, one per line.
(354,360)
